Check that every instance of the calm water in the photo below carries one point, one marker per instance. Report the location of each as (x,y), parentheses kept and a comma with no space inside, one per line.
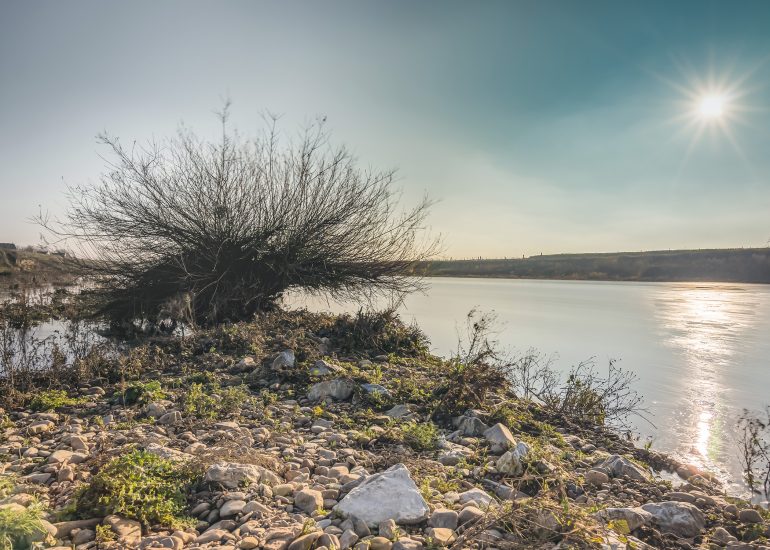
(701,351)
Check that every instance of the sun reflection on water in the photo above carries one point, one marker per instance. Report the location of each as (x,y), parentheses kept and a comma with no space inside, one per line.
(704,324)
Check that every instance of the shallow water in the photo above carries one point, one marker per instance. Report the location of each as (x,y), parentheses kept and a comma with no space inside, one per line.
(701,351)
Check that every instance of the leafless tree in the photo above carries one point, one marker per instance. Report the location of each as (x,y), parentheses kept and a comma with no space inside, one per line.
(220,230)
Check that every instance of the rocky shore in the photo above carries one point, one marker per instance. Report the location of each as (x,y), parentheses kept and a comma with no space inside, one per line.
(298,437)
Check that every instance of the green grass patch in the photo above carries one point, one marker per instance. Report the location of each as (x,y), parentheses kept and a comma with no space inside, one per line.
(141,486)
(21,527)
(49,400)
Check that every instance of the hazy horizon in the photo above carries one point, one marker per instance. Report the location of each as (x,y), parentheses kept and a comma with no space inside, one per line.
(557,127)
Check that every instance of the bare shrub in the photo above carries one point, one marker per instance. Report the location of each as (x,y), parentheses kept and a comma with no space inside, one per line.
(480,369)
(590,398)
(212,231)
(754,444)
(476,370)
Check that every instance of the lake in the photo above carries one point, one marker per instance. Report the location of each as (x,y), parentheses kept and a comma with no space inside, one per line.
(701,351)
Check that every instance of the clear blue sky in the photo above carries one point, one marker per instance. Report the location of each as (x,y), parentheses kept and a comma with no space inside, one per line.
(539,126)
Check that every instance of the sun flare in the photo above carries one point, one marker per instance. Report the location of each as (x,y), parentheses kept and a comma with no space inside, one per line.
(711,106)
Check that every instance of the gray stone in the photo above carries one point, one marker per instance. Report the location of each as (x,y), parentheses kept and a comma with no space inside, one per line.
(309,500)
(214,535)
(232,508)
(338,389)
(400,411)
(479,496)
(233,475)
(348,539)
(171,417)
(620,466)
(678,518)
(634,517)
(499,438)
(83,536)
(284,360)
(596,478)
(471,426)
(441,517)
(386,495)
(322,368)
(129,532)
(749,515)
(376,389)
(512,461)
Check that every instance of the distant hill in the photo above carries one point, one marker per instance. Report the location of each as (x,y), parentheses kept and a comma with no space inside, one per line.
(742,265)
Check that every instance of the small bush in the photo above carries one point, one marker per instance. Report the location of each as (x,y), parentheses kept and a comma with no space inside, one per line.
(209,399)
(7,483)
(49,400)
(379,332)
(199,403)
(420,436)
(19,528)
(143,393)
(141,486)
(233,399)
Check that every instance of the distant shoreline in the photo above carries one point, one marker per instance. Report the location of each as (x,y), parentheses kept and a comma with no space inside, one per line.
(745,265)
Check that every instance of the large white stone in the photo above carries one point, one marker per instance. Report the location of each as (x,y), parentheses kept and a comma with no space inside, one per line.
(512,461)
(339,389)
(233,475)
(678,518)
(387,495)
(499,438)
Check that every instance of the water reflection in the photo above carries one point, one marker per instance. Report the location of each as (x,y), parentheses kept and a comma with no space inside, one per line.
(704,324)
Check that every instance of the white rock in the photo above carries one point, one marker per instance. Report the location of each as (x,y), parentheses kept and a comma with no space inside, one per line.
(678,518)
(233,475)
(479,496)
(284,360)
(387,495)
(339,389)
(499,438)
(512,461)
(620,466)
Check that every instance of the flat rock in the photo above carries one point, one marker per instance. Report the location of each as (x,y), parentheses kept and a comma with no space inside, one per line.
(129,532)
(499,438)
(391,494)
(634,517)
(479,496)
(678,518)
(620,466)
(338,389)
(309,500)
(232,508)
(232,474)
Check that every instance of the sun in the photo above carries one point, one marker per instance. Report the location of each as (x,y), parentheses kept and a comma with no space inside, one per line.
(711,106)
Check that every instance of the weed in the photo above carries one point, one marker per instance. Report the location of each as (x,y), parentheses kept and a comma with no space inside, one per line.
(49,400)
(143,393)
(138,485)
(420,436)
(7,483)
(104,534)
(20,527)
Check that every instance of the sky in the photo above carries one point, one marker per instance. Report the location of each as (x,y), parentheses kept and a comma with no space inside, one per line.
(537,127)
